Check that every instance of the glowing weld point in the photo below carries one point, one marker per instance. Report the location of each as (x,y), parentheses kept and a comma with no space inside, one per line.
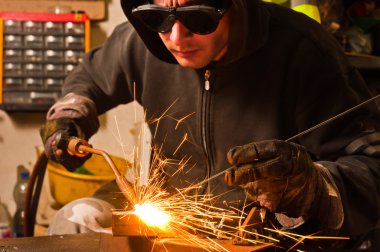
(152,216)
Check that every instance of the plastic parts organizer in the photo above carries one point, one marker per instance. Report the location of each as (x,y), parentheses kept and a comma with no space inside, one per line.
(37,51)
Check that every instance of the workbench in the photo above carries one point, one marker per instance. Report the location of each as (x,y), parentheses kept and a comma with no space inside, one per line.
(109,243)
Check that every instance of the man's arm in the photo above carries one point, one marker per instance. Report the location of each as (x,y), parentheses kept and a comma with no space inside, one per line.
(105,76)
(98,84)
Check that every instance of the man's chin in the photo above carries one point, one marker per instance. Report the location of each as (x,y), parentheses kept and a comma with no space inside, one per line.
(190,64)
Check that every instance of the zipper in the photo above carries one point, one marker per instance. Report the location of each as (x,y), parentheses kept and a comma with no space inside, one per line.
(207,80)
(204,123)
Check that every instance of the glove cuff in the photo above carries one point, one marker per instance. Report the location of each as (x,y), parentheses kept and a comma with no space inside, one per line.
(327,208)
(80,109)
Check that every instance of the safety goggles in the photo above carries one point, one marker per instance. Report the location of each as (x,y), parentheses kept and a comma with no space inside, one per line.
(198,19)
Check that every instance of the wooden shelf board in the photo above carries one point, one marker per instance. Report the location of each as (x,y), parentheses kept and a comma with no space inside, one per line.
(363,61)
(95,9)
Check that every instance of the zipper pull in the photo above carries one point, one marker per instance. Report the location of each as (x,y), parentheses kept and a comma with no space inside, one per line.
(207,80)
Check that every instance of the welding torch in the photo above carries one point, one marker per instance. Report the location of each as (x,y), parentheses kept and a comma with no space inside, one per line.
(80,148)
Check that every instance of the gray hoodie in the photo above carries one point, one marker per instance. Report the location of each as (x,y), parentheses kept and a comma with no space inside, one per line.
(282,74)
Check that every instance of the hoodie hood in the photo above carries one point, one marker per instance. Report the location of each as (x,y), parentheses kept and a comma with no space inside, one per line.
(248,30)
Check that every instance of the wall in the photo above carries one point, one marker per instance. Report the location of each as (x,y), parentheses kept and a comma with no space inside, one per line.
(19,132)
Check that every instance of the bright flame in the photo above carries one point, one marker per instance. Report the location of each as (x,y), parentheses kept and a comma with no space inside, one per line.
(151,215)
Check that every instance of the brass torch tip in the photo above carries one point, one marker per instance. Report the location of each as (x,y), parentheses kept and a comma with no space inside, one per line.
(73,147)
(126,189)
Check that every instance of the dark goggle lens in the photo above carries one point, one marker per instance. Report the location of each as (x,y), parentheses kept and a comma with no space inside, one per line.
(199,22)
(161,20)
(157,21)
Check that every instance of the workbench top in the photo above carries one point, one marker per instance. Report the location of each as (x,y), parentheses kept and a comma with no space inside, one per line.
(80,242)
(108,243)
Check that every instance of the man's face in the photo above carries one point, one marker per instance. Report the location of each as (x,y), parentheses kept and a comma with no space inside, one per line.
(193,50)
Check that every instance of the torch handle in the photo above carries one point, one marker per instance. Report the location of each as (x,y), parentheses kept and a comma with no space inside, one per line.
(80,148)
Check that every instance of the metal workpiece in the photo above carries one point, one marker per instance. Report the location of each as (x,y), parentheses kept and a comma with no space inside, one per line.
(128,223)
(80,148)
(140,237)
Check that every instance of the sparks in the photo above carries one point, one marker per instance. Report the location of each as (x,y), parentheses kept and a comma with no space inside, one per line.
(152,216)
(192,217)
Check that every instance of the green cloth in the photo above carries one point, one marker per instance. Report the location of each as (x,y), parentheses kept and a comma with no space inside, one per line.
(83,170)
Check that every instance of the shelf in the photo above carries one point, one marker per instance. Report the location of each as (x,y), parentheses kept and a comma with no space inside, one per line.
(364,62)
(31,83)
(26,107)
(95,9)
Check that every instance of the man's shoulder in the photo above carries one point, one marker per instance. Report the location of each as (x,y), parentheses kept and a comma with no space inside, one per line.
(297,26)
(124,28)
(124,33)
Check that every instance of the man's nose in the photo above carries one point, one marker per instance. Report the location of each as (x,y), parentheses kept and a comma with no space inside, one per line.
(179,32)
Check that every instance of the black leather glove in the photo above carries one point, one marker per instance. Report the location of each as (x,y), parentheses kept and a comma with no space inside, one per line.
(282,177)
(55,135)
(72,115)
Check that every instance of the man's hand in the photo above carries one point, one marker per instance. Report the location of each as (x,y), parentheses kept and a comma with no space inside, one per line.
(55,135)
(282,177)
(71,116)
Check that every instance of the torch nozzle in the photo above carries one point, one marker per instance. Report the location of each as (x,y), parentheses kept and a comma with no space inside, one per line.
(80,148)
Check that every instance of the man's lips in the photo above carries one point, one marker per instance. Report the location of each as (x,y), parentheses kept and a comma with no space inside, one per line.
(185,53)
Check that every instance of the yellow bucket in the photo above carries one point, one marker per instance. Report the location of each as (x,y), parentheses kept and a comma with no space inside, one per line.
(67,186)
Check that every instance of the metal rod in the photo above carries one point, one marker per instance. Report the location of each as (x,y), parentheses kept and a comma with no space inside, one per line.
(80,147)
(331,119)
(303,132)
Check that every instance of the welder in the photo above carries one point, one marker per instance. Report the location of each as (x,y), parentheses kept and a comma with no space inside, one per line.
(251,75)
